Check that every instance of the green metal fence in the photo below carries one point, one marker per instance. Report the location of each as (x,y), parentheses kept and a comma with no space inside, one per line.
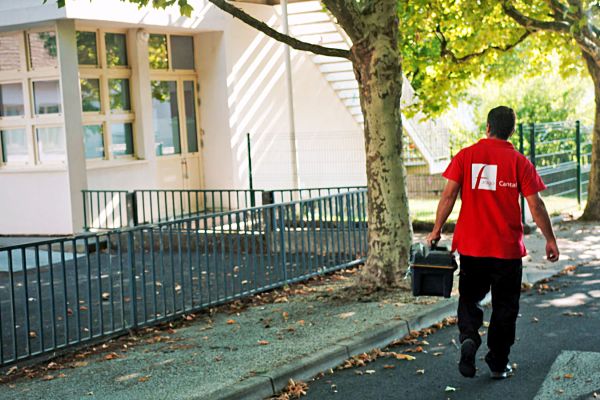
(65,292)
(561,153)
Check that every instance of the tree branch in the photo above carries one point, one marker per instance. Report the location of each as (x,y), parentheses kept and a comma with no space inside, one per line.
(532,24)
(267,30)
(458,60)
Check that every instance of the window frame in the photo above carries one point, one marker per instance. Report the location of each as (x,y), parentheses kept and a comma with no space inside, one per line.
(179,76)
(29,121)
(106,117)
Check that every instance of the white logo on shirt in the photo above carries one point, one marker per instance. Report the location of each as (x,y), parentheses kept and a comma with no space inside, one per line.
(483,176)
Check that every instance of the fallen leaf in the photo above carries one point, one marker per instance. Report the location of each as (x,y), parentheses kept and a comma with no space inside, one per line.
(370,371)
(400,356)
(486,324)
(438,353)
(61,376)
(424,342)
(78,364)
(450,389)
(573,314)
(263,342)
(105,296)
(301,322)
(388,366)
(69,311)
(285,315)
(111,356)
(53,365)
(83,308)
(12,370)
(32,334)
(346,315)
(230,321)
(143,378)
(568,376)
(177,288)
(358,372)
(420,371)
(535,319)
(47,377)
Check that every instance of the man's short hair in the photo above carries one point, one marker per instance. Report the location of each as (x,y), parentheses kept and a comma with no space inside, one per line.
(502,122)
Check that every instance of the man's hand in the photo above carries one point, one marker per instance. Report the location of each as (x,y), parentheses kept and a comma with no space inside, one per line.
(552,252)
(433,238)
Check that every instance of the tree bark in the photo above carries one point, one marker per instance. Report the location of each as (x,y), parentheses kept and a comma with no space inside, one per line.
(377,66)
(592,208)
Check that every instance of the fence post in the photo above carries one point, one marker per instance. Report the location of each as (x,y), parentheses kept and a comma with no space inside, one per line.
(522,150)
(578,153)
(532,144)
(252,202)
(132,210)
(282,249)
(86,228)
(132,282)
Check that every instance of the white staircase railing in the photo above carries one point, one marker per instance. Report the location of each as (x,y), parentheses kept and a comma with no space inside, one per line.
(308,21)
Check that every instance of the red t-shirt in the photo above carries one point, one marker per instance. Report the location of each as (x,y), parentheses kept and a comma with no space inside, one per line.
(491,174)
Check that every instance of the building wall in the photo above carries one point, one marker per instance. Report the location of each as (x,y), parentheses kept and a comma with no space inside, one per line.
(241,75)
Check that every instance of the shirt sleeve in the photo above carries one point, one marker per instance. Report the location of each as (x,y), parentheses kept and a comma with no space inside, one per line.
(529,180)
(455,171)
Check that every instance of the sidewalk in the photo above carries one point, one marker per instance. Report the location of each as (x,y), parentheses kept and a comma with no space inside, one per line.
(248,352)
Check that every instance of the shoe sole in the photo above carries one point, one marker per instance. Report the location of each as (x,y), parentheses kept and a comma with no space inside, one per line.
(466,365)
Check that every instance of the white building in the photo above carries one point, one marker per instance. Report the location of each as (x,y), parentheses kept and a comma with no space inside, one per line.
(103,95)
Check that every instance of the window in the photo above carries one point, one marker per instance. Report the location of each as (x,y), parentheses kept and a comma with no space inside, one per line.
(182,52)
(10,48)
(11,100)
(190,116)
(105,95)
(173,84)
(116,49)
(165,115)
(46,97)
(31,124)
(119,95)
(157,52)
(42,50)
(122,139)
(93,140)
(50,144)
(87,53)
(14,146)
(90,95)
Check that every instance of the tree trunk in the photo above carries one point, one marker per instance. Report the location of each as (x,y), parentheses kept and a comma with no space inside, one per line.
(377,66)
(592,208)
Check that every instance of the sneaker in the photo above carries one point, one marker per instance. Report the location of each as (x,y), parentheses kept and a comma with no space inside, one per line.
(506,373)
(466,366)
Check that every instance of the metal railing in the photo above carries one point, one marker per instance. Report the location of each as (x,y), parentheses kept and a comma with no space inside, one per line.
(286,195)
(65,292)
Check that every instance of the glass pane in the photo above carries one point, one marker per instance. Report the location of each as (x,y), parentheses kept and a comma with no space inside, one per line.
(11,52)
(119,94)
(47,97)
(42,50)
(122,139)
(165,116)
(14,146)
(94,141)
(90,94)
(116,49)
(11,100)
(157,52)
(182,52)
(190,116)
(87,53)
(51,144)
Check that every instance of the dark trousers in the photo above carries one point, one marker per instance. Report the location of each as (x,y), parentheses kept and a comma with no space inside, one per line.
(477,275)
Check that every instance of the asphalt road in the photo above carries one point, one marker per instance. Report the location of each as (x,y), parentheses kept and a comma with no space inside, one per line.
(557,354)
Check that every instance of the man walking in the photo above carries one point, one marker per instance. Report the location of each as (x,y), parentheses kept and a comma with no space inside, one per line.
(489,237)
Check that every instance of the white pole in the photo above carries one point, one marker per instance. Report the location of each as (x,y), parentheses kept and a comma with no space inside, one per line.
(290,98)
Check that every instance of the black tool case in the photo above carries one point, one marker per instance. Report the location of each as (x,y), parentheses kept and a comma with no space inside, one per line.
(432,270)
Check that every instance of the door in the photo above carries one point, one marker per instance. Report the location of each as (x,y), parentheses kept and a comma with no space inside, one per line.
(174,111)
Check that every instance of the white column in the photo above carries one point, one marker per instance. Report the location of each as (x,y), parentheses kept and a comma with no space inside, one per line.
(290,98)
(137,42)
(71,103)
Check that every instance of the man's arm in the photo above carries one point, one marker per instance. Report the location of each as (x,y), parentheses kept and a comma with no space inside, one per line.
(542,220)
(444,209)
